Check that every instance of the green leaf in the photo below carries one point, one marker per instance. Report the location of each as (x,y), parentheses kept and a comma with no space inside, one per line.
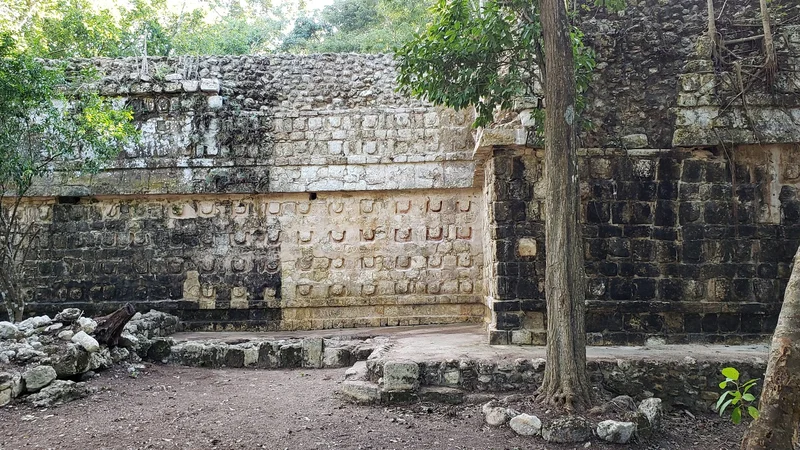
(736,397)
(724,405)
(748,397)
(736,415)
(753,411)
(730,372)
(721,399)
(723,384)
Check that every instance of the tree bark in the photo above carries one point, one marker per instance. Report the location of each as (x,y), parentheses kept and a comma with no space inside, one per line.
(770,58)
(565,381)
(109,328)
(779,407)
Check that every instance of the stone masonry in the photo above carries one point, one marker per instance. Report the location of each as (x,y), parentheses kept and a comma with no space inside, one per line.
(291,192)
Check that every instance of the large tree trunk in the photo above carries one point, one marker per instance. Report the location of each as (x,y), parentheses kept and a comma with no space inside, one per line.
(566,381)
(779,407)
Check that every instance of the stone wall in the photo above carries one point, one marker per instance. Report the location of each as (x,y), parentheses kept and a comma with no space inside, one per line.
(674,248)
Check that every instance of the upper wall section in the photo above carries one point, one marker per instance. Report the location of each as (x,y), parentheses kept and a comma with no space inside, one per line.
(284,123)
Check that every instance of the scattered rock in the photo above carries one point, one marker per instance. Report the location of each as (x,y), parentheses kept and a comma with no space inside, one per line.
(616,432)
(72,361)
(34,323)
(66,335)
(87,325)
(526,425)
(360,391)
(38,377)
(567,429)
(68,315)
(496,416)
(89,343)
(652,410)
(54,327)
(8,330)
(59,392)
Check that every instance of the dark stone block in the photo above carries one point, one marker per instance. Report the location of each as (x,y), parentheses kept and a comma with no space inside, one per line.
(728,322)
(710,323)
(692,171)
(665,233)
(669,169)
(603,189)
(689,191)
(519,211)
(718,232)
(505,306)
(747,231)
(528,288)
(647,191)
(620,289)
(646,270)
(642,250)
(717,213)
(670,289)
(620,213)
(790,212)
(641,213)
(665,214)
(596,249)
(746,270)
(692,232)
(717,172)
(689,212)
(626,190)
(645,288)
(502,212)
(506,269)
(692,323)
(619,247)
(692,251)
(770,250)
(637,231)
(507,321)
(751,324)
(787,193)
(745,193)
(608,269)
(607,231)
(598,212)
(627,269)
(743,290)
(667,190)
(506,288)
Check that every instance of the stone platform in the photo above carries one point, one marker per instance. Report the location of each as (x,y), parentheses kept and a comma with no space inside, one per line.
(446,363)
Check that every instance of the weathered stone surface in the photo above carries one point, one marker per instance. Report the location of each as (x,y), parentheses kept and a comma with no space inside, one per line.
(400,376)
(526,425)
(34,322)
(88,343)
(652,410)
(441,394)
(337,357)
(360,391)
(87,325)
(313,352)
(38,377)
(8,330)
(59,392)
(496,416)
(68,315)
(567,429)
(73,360)
(66,335)
(616,432)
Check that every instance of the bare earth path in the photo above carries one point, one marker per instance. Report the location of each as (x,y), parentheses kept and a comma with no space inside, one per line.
(170,407)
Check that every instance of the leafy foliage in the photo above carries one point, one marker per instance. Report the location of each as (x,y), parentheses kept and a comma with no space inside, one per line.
(739,398)
(483,56)
(39,126)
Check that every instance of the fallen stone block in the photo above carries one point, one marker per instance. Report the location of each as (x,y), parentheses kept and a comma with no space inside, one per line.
(567,430)
(312,352)
(359,391)
(88,343)
(616,432)
(59,392)
(38,377)
(526,425)
(652,409)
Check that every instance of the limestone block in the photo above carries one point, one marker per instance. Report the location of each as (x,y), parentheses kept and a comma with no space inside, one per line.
(313,352)
(616,432)
(635,141)
(360,391)
(400,376)
(526,247)
(38,377)
(215,101)
(190,85)
(209,85)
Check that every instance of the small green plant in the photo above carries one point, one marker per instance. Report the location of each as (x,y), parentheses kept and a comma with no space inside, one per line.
(738,397)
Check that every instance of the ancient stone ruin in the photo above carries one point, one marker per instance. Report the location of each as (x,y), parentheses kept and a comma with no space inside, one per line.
(303,192)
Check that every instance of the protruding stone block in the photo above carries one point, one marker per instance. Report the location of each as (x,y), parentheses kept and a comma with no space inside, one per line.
(400,376)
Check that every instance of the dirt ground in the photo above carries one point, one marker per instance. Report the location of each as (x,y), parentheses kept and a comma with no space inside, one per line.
(169,407)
